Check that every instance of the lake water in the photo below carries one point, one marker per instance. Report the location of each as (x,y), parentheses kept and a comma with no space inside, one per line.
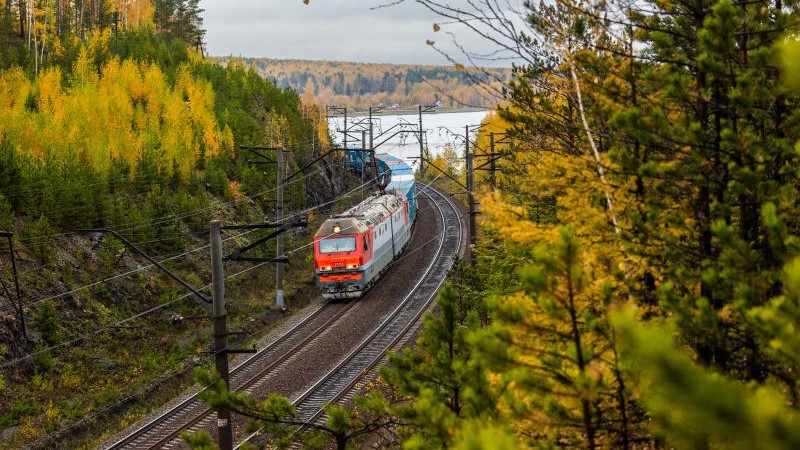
(396,134)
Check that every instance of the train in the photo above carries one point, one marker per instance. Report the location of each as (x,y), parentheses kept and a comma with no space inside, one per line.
(354,248)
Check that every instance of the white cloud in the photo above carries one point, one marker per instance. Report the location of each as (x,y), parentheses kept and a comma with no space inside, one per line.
(342,30)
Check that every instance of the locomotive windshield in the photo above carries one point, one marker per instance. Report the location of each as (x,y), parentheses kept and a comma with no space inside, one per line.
(337,244)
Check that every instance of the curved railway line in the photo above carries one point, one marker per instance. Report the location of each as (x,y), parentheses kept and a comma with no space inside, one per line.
(352,361)
(366,356)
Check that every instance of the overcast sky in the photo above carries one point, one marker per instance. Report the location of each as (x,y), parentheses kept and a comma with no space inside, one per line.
(337,30)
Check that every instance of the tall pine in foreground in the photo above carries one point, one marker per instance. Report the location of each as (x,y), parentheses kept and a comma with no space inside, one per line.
(718,152)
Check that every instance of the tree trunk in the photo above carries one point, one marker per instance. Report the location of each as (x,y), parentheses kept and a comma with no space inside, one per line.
(586,406)
(23,18)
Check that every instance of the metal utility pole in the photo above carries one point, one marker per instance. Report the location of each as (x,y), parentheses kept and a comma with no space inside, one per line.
(279,242)
(220,332)
(372,139)
(344,141)
(363,160)
(421,146)
(370,127)
(470,186)
(492,165)
(422,109)
(371,153)
(343,110)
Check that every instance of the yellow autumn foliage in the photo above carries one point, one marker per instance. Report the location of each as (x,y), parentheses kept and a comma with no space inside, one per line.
(127,109)
(135,13)
(547,168)
(563,168)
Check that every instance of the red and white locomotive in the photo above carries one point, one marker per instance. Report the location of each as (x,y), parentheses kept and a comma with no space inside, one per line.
(353,249)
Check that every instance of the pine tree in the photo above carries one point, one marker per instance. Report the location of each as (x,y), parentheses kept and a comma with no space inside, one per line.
(715,139)
(443,389)
(694,408)
(555,354)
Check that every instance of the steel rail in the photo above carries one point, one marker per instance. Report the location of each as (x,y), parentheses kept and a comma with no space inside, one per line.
(248,379)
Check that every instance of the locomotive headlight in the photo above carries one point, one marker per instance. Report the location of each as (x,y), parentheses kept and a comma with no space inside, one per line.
(352,266)
(325,268)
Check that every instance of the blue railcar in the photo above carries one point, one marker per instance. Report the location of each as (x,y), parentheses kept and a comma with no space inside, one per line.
(354,160)
(401,179)
(400,175)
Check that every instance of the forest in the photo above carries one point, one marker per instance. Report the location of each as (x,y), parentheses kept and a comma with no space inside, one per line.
(361,85)
(635,283)
(635,279)
(118,139)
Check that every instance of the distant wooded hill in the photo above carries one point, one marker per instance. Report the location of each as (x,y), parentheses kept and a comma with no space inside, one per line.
(361,85)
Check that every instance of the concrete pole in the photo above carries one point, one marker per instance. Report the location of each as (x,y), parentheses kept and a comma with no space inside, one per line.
(421,147)
(344,144)
(470,198)
(279,240)
(220,332)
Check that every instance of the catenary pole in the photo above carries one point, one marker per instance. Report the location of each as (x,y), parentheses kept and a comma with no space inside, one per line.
(279,242)
(470,186)
(421,146)
(373,161)
(362,155)
(344,143)
(220,332)
(371,141)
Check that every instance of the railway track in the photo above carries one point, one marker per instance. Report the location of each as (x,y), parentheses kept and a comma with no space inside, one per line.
(371,351)
(360,365)
(191,414)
